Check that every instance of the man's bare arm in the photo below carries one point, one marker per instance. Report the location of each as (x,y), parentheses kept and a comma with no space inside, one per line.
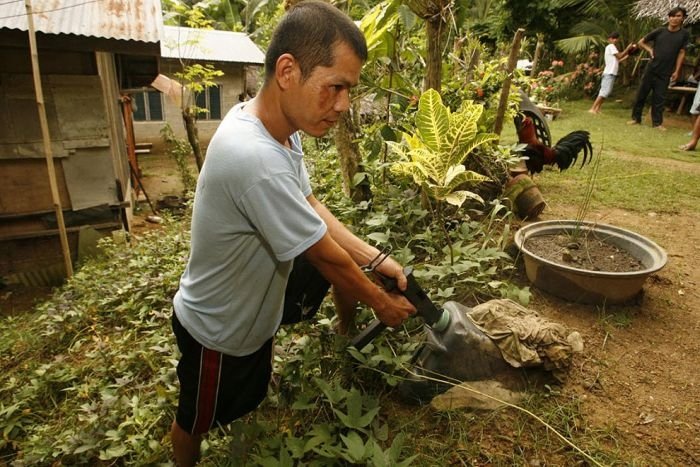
(361,252)
(336,265)
(680,59)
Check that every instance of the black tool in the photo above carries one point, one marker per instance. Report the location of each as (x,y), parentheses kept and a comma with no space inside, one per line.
(434,317)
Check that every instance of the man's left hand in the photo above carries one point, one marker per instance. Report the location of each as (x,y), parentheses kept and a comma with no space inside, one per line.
(390,268)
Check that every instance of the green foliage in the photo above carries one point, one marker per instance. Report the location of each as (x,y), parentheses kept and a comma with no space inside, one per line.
(434,155)
(196,77)
(378,26)
(484,87)
(179,150)
(92,378)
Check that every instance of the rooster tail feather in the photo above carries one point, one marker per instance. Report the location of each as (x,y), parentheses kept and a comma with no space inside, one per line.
(587,153)
(568,148)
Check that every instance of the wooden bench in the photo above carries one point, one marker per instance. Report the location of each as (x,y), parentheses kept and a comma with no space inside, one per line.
(553,111)
(685,91)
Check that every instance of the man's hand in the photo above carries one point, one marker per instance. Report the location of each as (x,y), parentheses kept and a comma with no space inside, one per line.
(395,310)
(390,268)
(674,77)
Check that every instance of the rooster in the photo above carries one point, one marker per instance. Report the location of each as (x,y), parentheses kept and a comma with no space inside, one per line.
(563,154)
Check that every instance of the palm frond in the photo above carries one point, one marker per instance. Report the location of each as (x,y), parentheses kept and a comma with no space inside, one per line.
(578,44)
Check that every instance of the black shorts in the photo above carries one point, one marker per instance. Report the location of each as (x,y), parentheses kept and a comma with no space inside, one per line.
(215,388)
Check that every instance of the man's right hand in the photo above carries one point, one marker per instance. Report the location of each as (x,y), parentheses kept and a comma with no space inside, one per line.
(396,308)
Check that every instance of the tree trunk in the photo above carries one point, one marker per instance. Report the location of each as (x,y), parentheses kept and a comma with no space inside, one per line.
(474,60)
(434,28)
(538,55)
(505,91)
(193,136)
(350,158)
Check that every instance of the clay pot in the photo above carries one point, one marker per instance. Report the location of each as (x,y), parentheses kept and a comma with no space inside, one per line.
(525,197)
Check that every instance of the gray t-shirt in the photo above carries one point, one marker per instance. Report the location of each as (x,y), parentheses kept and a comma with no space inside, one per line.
(250,220)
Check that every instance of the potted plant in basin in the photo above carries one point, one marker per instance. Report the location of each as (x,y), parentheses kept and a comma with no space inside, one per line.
(588,262)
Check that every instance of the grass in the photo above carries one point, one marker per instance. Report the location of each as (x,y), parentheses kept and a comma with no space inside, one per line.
(642,168)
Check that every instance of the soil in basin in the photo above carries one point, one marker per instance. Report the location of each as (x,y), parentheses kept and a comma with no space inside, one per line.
(586,251)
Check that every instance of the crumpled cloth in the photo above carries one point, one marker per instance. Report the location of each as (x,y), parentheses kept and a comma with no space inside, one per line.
(524,338)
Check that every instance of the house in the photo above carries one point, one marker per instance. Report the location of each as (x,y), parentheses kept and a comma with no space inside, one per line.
(233,53)
(87,53)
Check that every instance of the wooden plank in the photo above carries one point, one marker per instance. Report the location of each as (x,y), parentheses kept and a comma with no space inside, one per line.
(685,91)
(25,186)
(53,232)
(23,255)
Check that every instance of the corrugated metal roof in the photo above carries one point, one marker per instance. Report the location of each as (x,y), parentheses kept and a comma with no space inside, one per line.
(209,44)
(133,20)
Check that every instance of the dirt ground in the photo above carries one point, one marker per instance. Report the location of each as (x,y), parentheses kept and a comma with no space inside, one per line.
(638,375)
(639,372)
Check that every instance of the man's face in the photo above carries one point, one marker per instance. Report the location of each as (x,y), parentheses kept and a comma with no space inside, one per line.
(676,20)
(314,105)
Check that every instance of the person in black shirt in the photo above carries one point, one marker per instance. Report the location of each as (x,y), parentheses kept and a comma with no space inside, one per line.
(667,56)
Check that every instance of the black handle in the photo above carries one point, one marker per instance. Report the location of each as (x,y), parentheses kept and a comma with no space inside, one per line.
(425,308)
(368,334)
(376,327)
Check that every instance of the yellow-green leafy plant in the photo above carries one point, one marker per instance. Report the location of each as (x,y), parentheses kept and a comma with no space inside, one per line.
(434,154)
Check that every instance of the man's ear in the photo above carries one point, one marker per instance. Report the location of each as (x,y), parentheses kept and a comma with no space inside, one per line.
(287,70)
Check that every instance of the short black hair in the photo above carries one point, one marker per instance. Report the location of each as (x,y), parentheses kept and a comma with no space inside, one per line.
(309,31)
(614,35)
(678,9)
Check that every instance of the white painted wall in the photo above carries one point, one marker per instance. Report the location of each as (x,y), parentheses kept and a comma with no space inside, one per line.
(232,86)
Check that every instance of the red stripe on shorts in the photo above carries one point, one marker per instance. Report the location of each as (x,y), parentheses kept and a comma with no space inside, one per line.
(209,372)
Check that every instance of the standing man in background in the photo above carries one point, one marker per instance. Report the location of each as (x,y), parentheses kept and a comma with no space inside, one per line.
(613,57)
(264,250)
(667,56)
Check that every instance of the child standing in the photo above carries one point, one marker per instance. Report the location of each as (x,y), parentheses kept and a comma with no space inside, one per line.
(613,57)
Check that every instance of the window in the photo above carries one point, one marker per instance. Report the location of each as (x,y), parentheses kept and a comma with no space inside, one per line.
(148,106)
(209,99)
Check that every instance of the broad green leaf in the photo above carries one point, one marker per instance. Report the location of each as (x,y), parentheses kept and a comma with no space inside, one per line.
(465,177)
(355,446)
(432,120)
(355,418)
(376,25)
(359,177)
(456,198)
(377,219)
(453,171)
(378,237)
(296,447)
(320,434)
(113,452)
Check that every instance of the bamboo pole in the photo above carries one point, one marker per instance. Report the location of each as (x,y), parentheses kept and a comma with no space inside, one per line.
(505,91)
(47,141)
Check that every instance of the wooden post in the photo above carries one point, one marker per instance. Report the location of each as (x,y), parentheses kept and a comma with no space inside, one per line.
(538,54)
(47,141)
(505,91)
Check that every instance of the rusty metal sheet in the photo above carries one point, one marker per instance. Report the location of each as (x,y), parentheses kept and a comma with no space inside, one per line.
(133,20)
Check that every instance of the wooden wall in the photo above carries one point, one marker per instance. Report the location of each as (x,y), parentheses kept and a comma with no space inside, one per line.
(87,144)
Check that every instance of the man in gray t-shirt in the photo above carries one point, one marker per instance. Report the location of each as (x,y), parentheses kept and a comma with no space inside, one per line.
(256,221)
